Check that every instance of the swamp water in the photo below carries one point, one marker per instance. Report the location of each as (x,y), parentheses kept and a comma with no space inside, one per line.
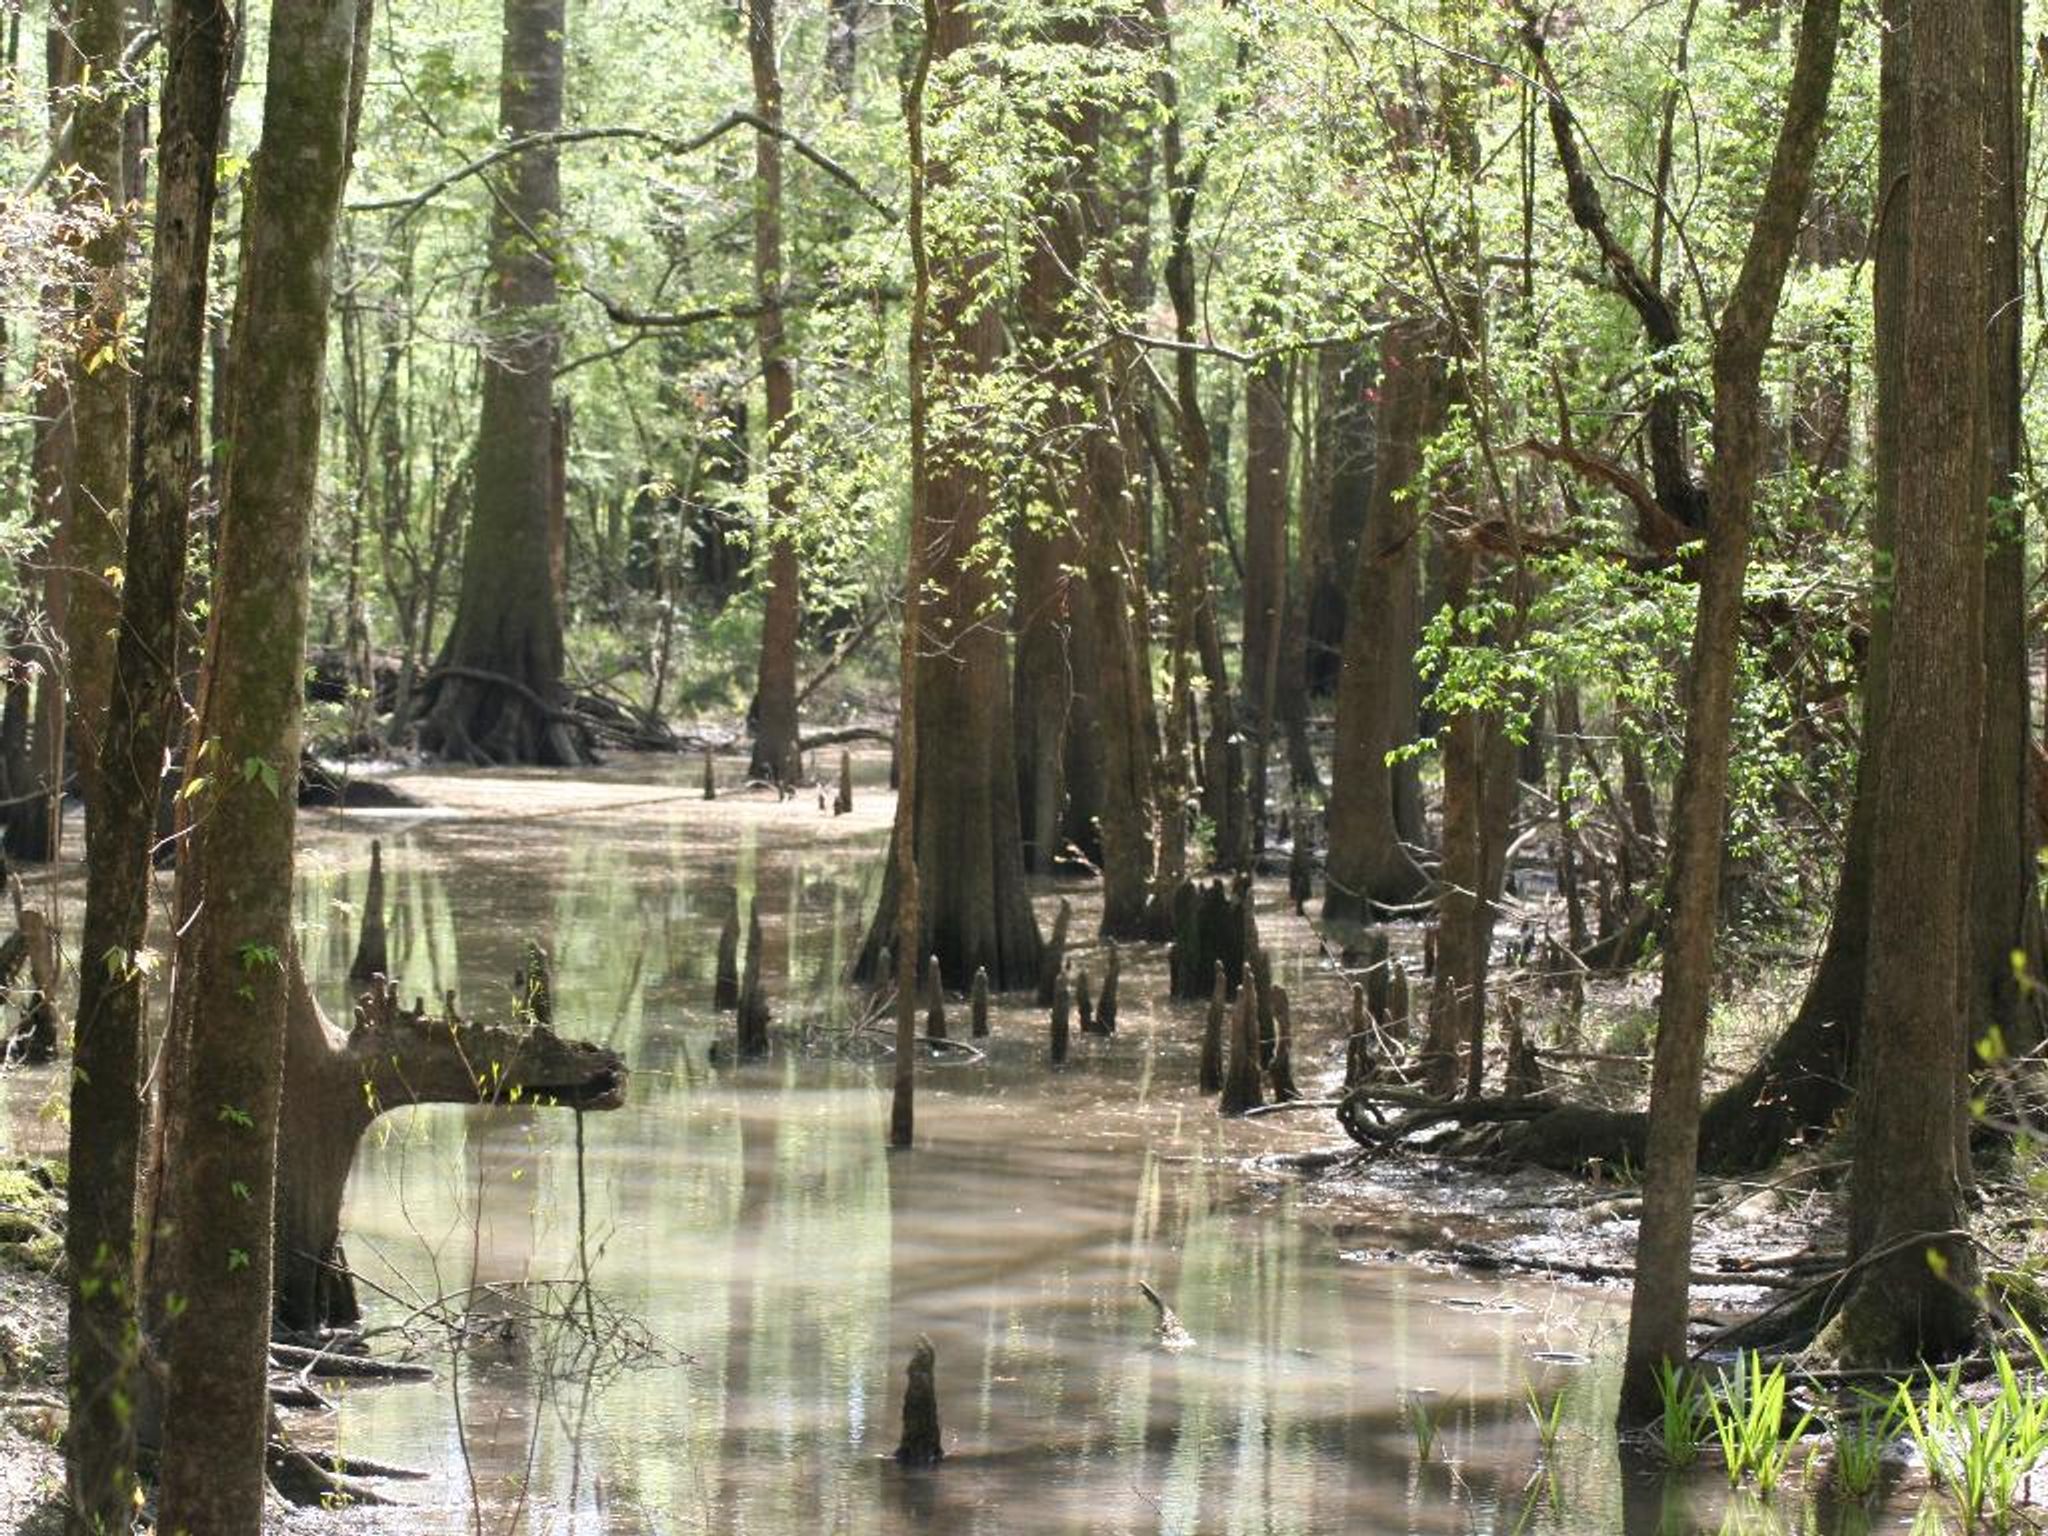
(750,1226)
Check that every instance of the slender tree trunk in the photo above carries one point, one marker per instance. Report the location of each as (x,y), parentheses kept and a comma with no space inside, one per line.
(1265,569)
(1657,1312)
(106,1085)
(1911,1298)
(775,756)
(497,694)
(95,382)
(229,1010)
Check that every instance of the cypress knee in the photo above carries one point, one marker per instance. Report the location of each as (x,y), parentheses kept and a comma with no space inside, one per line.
(1055,953)
(934,1001)
(844,803)
(920,1446)
(1358,1042)
(1084,998)
(1106,1005)
(1212,1033)
(1281,1070)
(977,1004)
(1062,1004)
(372,956)
(710,777)
(751,1035)
(1241,1081)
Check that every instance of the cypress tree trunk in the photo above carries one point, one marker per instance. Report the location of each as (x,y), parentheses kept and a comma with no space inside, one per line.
(228,1025)
(956,817)
(106,1086)
(1911,1299)
(1369,866)
(497,692)
(1265,569)
(775,725)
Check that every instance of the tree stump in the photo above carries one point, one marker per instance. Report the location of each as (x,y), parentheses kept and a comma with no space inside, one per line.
(934,1001)
(1280,1071)
(1106,1005)
(920,1445)
(977,1004)
(372,946)
(1055,956)
(1062,1006)
(1212,1033)
(1241,1081)
(725,988)
(750,1039)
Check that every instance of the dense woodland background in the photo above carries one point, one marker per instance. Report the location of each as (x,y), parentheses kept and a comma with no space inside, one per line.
(1407,447)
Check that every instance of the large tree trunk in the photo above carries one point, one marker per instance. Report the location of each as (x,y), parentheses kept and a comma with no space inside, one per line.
(973,909)
(1265,570)
(1907,1176)
(775,756)
(1370,866)
(222,1097)
(106,1087)
(336,1084)
(497,693)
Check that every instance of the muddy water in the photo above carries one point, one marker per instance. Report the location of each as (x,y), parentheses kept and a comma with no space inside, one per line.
(782,1263)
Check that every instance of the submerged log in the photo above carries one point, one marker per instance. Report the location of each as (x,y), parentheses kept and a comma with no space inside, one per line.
(336,1085)
(725,987)
(1280,1070)
(1112,975)
(372,956)
(920,1445)
(1241,1081)
(750,1037)
(934,1001)
(1062,1006)
(977,1005)
(1055,956)
(1212,1033)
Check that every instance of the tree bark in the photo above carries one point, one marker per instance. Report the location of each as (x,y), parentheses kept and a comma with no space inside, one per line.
(775,756)
(1369,866)
(1911,1299)
(106,1087)
(228,1025)
(1657,1312)
(957,821)
(508,623)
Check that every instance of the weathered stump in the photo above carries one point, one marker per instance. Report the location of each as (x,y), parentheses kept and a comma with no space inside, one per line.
(372,946)
(934,1001)
(920,1445)
(1106,1004)
(725,987)
(750,1037)
(1055,955)
(1241,1080)
(977,1004)
(843,803)
(1212,1033)
(1280,1071)
(1062,1007)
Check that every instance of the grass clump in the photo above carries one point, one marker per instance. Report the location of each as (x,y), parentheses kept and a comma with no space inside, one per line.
(1748,1415)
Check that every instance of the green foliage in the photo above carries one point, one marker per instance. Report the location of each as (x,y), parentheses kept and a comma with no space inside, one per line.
(1981,1451)
(1685,1412)
(1748,1412)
